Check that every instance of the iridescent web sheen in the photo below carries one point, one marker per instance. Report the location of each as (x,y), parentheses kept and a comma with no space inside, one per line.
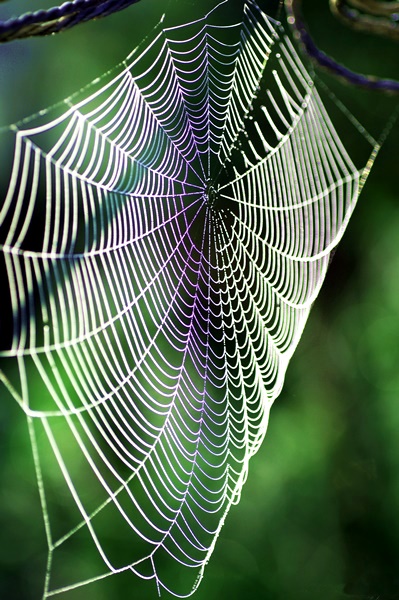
(163,240)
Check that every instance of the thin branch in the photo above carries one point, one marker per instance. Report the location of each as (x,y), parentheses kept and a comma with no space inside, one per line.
(377,19)
(59,18)
(296,21)
(373,7)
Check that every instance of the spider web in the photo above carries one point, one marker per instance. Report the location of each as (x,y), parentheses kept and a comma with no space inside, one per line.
(163,240)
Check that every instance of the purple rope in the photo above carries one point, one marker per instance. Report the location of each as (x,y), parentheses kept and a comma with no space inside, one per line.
(59,18)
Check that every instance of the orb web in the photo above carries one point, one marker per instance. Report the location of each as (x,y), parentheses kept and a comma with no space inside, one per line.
(163,239)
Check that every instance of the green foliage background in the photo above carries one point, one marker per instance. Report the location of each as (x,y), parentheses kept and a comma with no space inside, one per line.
(318,515)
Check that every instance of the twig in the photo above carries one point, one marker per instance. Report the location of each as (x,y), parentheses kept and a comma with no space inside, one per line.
(295,19)
(377,19)
(59,18)
(373,7)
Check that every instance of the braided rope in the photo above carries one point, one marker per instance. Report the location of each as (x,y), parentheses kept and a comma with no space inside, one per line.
(59,18)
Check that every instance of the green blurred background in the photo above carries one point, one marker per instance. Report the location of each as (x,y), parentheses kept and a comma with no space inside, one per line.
(318,514)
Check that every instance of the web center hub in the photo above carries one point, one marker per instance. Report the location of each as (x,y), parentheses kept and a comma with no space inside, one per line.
(211,196)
